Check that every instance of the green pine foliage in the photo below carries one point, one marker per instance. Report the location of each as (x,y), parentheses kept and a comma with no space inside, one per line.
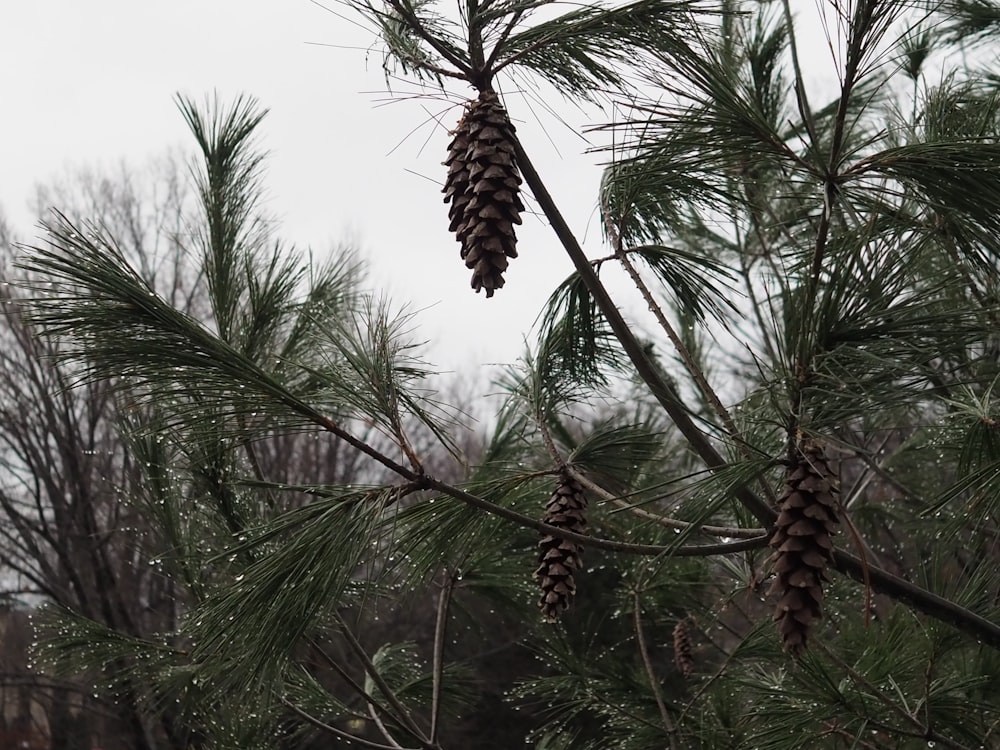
(821,270)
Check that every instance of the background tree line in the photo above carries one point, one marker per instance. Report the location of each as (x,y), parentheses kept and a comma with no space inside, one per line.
(771,524)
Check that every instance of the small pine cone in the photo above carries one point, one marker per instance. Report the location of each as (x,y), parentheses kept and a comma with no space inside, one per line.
(483,187)
(803,544)
(559,559)
(682,649)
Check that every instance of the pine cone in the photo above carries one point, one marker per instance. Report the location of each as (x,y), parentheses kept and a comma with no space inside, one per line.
(483,188)
(682,649)
(803,544)
(559,558)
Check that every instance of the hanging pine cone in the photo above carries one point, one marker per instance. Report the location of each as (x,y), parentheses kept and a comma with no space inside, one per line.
(483,188)
(803,544)
(559,558)
(682,649)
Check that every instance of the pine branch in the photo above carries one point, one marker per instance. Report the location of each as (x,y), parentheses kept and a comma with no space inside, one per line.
(732,532)
(373,714)
(370,700)
(921,730)
(660,389)
(694,370)
(917,597)
(805,111)
(408,14)
(920,599)
(595,542)
(130,332)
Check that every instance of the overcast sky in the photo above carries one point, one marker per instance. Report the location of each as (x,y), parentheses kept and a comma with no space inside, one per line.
(91,82)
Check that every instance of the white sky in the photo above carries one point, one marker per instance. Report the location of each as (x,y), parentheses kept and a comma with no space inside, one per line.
(89,82)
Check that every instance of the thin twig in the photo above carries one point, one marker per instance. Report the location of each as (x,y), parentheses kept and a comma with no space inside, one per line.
(429,482)
(697,374)
(719,674)
(923,731)
(746,266)
(373,713)
(861,547)
(931,737)
(693,368)
(654,684)
(758,308)
(330,426)
(732,532)
(409,15)
(548,442)
(670,523)
(888,477)
(402,714)
(369,699)
(928,679)
(502,39)
(856,741)
(339,733)
(831,196)
(805,112)
(404,442)
(695,550)
(440,628)
(431,68)
(621,255)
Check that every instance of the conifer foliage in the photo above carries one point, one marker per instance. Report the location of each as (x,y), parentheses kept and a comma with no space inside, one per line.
(820,264)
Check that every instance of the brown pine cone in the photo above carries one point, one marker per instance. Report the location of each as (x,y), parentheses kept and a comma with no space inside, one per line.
(483,186)
(559,559)
(803,544)
(682,649)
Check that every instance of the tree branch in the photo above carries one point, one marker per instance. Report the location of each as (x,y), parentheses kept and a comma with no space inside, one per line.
(405,10)
(661,390)
(696,550)
(920,599)
(732,532)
